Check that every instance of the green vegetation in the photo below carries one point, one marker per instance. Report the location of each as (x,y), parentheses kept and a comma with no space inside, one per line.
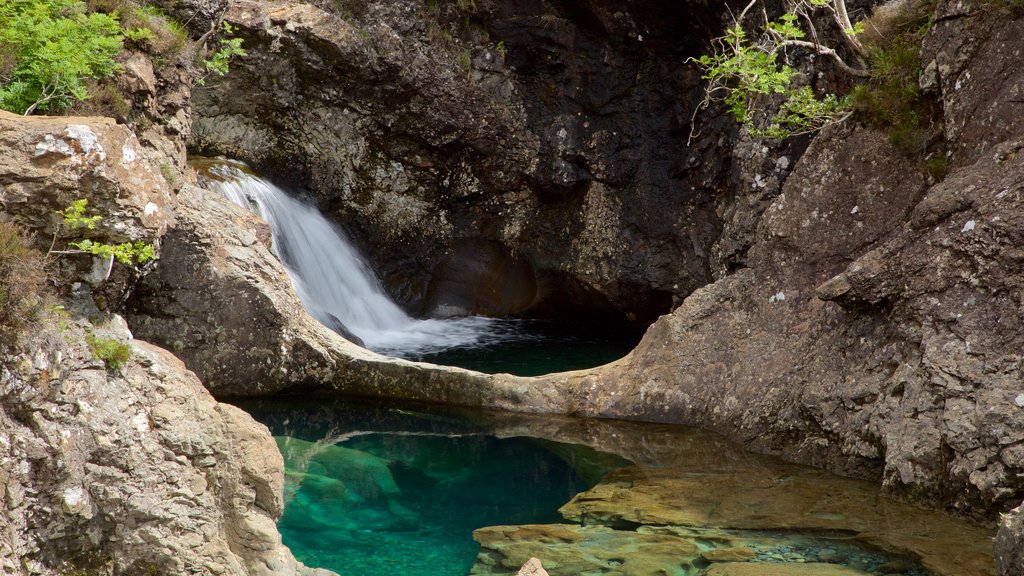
(125,253)
(150,28)
(230,47)
(55,54)
(752,75)
(52,46)
(891,99)
(113,353)
(23,293)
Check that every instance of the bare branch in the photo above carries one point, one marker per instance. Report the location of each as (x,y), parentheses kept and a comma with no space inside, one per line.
(826,51)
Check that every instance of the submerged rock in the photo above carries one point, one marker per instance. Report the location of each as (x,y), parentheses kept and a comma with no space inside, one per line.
(568,549)
(706,501)
(810,569)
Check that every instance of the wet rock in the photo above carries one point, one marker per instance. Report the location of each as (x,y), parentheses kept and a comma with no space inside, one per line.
(568,549)
(698,497)
(737,554)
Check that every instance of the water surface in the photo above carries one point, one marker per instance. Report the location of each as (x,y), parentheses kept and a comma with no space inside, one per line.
(375,489)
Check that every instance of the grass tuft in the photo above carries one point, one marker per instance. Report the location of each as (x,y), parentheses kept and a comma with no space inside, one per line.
(23,291)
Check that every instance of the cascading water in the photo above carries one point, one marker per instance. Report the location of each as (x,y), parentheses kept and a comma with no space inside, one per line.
(335,284)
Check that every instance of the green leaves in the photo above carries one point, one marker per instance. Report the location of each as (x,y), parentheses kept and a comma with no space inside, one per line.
(229,48)
(757,86)
(74,215)
(56,47)
(125,253)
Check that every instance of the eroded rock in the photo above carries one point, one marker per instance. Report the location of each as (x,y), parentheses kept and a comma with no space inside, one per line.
(132,470)
(222,301)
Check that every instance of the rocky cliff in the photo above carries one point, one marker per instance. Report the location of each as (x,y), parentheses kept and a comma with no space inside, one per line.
(867,329)
(494,157)
(115,457)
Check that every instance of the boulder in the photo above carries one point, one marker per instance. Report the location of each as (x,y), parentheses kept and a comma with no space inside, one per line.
(533,567)
(130,470)
(1009,545)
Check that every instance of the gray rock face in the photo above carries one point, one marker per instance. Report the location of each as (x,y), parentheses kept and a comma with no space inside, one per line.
(543,143)
(899,366)
(135,470)
(1009,546)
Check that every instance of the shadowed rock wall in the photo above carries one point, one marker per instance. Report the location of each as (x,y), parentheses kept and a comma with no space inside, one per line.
(548,134)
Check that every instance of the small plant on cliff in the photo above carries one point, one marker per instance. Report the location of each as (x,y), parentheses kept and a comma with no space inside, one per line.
(54,46)
(75,218)
(229,48)
(112,353)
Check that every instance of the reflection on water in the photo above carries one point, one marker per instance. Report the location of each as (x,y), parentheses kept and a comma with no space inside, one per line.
(376,489)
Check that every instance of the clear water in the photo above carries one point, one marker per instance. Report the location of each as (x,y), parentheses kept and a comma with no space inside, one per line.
(375,490)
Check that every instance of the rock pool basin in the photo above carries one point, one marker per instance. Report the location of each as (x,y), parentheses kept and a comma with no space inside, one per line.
(375,488)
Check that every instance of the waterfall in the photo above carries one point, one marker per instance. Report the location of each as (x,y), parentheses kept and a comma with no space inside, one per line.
(333,281)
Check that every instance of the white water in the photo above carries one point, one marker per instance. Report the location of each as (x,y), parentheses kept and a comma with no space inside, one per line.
(334,282)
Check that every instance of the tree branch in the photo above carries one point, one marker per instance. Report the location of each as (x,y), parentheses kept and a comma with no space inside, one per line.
(826,51)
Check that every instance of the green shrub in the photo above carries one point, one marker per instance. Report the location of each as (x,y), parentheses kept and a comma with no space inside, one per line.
(55,46)
(151,27)
(228,49)
(113,353)
(23,293)
(891,99)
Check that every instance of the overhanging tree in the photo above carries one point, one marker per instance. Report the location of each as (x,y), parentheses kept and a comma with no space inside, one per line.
(750,68)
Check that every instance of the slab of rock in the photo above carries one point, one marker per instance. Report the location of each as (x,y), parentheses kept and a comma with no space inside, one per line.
(782,569)
(714,491)
(568,549)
